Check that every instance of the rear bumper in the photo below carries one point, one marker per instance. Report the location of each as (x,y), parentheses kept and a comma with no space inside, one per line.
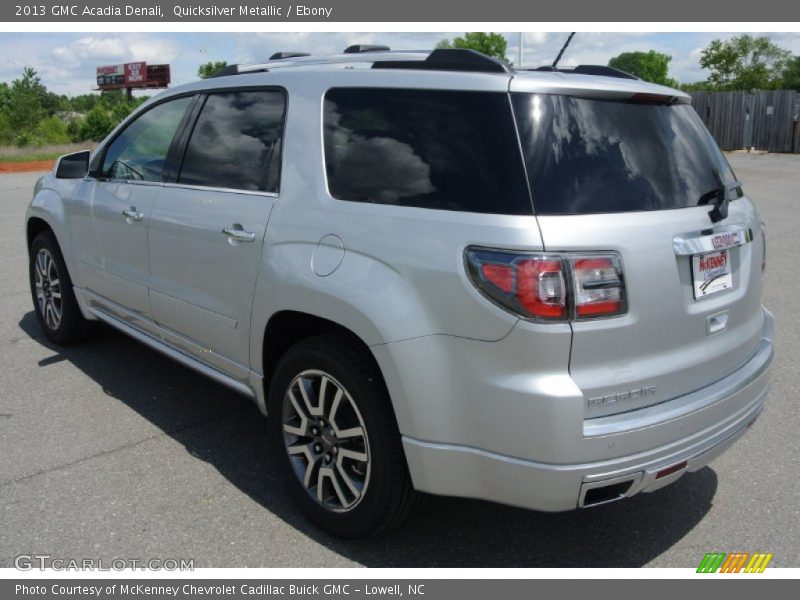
(630,451)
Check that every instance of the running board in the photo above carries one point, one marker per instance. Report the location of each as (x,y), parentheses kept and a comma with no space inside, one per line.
(177,356)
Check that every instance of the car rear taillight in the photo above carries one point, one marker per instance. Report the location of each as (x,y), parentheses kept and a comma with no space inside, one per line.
(540,287)
(599,290)
(763,247)
(549,286)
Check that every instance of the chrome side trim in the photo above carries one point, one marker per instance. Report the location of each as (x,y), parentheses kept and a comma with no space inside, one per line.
(175,355)
(185,186)
(141,182)
(208,188)
(697,243)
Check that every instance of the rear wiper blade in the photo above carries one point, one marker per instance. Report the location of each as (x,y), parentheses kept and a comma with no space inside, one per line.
(720,194)
(708,197)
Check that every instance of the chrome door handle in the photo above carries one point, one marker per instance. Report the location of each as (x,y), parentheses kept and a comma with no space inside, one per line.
(235,232)
(132,214)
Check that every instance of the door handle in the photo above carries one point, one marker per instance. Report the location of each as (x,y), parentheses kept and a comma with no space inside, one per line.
(237,233)
(131,214)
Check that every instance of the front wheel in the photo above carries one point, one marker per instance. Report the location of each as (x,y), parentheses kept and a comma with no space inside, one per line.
(54,300)
(334,437)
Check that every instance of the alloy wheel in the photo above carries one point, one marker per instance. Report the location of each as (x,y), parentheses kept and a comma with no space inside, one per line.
(326,440)
(48,289)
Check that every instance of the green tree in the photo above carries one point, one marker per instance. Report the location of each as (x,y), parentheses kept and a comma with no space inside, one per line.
(97,124)
(51,130)
(25,107)
(206,70)
(5,97)
(651,66)
(700,86)
(84,102)
(791,75)
(6,132)
(120,111)
(744,62)
(75,129)
(491,44)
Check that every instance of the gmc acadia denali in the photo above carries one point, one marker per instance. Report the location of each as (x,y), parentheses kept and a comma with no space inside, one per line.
(431,272)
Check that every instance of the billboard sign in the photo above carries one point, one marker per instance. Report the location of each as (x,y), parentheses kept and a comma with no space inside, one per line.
(111,70)
(128,74)
(136,72)
(110,75)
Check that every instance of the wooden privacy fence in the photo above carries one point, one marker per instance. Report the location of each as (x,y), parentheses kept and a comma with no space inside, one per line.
(761,120)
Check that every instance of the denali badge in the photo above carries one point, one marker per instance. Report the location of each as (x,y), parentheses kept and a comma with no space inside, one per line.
(608,399)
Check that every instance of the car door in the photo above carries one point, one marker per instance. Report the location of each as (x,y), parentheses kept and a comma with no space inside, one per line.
(110,218)
(207,227)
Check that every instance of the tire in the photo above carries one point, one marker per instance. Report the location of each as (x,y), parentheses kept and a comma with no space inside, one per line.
(381,493)
(54,300)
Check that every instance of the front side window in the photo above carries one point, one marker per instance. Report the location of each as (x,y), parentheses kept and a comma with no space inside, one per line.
(236,142)
(447,150)
(139,152)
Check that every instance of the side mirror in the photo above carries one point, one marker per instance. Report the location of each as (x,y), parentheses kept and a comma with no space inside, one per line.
(73,166)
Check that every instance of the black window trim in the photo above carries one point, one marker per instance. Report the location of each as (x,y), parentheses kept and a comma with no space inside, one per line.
(182,141)
(518,144)
(621,100)
(97,164)
(173,162)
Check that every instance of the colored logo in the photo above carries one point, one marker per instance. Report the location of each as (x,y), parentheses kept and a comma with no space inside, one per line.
(736,562)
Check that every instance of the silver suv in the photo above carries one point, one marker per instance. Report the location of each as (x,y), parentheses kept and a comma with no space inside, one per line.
(433,273)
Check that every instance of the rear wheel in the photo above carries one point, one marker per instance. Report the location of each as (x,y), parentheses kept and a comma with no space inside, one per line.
(53,298)
(335,439)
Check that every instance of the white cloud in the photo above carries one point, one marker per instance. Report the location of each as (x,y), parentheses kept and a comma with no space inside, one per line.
(153,51)
(91,48)
(66,61)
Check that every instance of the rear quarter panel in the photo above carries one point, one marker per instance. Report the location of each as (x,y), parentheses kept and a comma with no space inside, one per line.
(402,273)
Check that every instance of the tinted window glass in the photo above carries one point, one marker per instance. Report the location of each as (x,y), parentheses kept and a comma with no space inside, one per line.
(236,142)
(597,156)
(139,152)
(432,149)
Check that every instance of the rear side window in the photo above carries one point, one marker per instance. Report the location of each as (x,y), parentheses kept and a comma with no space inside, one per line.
(602,156)
(236,142)
(139,152)
(447,150)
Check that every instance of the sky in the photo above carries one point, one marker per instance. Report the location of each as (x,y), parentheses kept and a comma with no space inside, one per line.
(66,61)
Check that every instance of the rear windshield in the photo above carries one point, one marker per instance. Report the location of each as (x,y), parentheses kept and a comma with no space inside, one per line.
(601,156)
(425,148)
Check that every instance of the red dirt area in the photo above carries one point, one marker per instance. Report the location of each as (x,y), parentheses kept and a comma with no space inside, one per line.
(25,167)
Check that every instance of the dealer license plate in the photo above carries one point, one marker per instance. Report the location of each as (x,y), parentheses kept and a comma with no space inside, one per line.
(712,273)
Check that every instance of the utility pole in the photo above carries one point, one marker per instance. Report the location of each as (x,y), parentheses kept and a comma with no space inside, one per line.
(519,62)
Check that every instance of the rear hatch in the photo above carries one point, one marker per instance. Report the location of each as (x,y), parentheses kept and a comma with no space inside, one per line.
(637,175)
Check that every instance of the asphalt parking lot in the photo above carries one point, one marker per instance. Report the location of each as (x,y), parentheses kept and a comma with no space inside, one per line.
(109,450)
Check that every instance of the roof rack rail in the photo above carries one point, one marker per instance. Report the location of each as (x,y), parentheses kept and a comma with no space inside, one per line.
(225,71)
(449,59)
(600,70)
(282,55)
(361,48)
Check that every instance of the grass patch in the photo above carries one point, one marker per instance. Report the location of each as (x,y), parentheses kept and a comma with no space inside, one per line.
(14,154)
